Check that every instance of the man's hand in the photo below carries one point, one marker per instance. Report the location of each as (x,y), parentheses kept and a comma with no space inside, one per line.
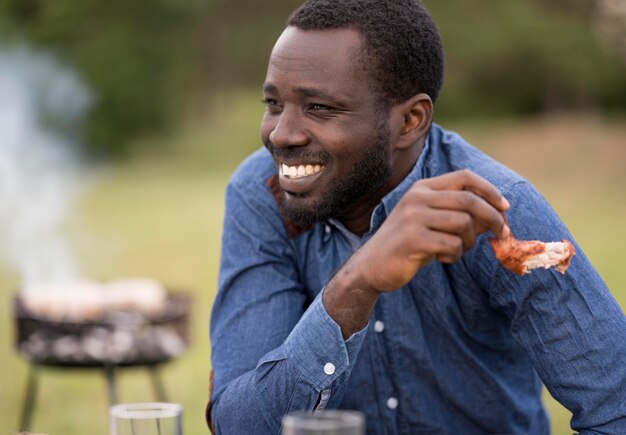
(438,218)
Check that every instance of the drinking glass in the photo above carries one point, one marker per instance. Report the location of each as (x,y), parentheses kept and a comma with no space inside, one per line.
(330,422)
(155,418)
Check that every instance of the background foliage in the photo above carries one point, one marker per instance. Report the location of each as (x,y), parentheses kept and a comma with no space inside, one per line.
(129,52)
(525,57)
(151,60)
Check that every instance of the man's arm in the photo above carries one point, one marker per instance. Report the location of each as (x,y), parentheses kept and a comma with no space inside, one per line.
(569,323)
(269,356)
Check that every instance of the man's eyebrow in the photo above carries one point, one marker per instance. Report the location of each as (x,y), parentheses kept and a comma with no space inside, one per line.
(306,92)
(313,92)
(268,87)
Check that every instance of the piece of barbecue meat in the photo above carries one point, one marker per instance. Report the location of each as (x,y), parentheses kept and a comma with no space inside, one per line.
(522,256)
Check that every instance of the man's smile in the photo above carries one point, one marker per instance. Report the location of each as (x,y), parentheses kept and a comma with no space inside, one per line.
(299,178)
(299,171)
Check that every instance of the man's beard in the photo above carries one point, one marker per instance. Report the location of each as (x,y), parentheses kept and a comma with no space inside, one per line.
(371,171)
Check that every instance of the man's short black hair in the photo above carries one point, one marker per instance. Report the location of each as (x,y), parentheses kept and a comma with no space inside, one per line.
(402,45)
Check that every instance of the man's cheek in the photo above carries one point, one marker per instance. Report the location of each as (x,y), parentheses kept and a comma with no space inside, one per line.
(265,129)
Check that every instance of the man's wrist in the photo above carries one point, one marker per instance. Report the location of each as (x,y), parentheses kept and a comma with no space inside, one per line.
(349,300)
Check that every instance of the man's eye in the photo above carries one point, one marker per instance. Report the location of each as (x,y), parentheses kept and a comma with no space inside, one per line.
(319,107)
(270,102)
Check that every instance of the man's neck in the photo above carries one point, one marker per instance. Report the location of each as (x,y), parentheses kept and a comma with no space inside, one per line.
(358,218)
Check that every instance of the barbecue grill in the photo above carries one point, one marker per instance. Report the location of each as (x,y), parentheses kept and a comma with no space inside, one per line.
(117,339)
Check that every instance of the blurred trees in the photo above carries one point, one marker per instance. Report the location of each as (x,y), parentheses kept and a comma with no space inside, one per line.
(143,56)
(238,36)
(610,24)
(129,52)
(525,57)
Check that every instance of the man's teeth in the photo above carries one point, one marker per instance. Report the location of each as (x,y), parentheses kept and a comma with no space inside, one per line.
(300,170)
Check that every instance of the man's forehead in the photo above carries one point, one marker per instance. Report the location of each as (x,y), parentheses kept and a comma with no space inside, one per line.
(315,55)
(297,48)
(322,40)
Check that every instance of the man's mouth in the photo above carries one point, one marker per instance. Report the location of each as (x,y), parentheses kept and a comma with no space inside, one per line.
(300,178)
(300,171)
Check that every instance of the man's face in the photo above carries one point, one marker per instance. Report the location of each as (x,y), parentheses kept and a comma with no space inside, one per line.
(322,125)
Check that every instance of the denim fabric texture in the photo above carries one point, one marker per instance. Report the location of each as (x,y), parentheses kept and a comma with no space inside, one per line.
(461,349)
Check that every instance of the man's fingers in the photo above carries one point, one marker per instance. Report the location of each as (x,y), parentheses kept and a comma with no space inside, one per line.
(474,210)
(457,223)
(449,259)
(466,191)
(441,244)
(467,180)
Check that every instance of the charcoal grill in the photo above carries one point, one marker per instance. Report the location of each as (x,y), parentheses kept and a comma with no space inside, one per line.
(120,339)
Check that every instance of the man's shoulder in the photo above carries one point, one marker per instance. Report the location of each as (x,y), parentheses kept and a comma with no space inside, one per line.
(451,152)
(252,174)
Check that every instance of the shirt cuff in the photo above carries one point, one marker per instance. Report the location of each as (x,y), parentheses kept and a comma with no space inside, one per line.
(317,347)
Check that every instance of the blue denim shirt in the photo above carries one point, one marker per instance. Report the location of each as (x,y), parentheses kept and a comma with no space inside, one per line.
(462,348)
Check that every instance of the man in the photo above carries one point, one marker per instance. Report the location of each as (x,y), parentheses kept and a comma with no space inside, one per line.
(356,271)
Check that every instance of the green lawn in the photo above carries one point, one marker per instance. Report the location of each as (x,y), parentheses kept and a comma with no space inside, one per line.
(159,215)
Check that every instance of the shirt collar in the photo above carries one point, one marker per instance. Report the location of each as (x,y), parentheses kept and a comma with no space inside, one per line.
(390,200)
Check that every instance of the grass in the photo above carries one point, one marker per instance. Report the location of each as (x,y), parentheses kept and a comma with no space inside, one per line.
(159,215)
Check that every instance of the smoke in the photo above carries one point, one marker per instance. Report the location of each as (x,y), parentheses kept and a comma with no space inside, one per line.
(42,105)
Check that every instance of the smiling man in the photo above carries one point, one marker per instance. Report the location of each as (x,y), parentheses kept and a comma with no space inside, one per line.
(345,142)
(356,270)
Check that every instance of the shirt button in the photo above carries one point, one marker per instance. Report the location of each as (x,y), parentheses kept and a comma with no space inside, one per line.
(329,368)
(379,326)
(392,403)
(327,229)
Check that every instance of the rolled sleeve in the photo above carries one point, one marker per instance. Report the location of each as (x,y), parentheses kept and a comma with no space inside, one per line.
(310,371)
(318,349)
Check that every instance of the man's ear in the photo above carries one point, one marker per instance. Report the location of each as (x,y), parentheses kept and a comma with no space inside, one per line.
(416,115)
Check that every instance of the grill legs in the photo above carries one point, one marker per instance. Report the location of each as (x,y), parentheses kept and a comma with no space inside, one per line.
(155,380)
(109,371)
(29,397)
(157,383)
(109,374)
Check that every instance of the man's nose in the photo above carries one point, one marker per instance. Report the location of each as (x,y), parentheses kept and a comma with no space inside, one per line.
(289,130)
